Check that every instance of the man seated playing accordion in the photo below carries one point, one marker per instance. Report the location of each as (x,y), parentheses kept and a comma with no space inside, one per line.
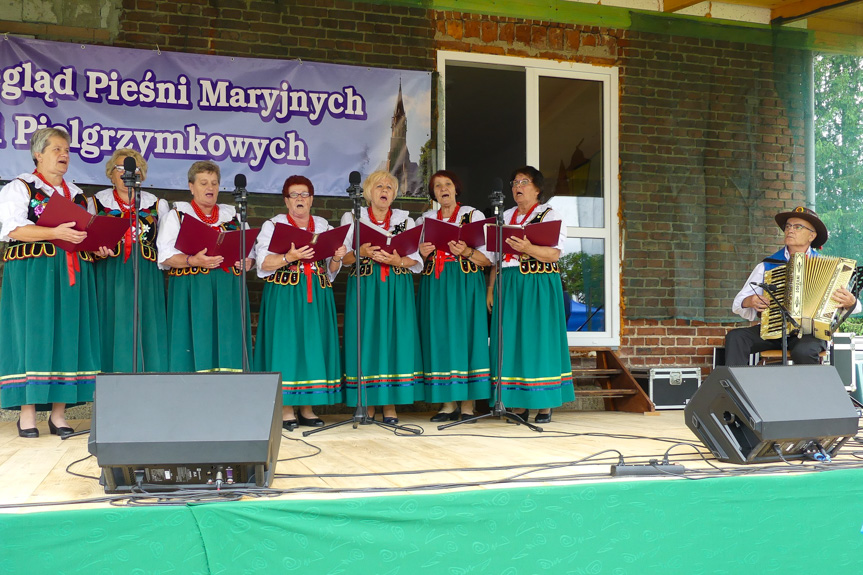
(804,234)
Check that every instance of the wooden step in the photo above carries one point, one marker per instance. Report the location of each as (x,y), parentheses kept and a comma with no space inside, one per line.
(594,373)
(603,392)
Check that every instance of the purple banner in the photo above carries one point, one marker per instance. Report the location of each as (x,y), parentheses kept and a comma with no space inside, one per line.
(268,119)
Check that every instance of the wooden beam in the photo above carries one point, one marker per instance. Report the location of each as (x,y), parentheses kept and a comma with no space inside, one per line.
(675,5)
(803,8)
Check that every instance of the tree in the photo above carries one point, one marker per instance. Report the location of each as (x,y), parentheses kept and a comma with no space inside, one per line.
(839,152)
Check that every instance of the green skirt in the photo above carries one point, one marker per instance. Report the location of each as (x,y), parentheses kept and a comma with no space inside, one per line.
(536,369)
(49,333)
(204,322)
(301,341)
(115,293)
(453,324)
(391,357)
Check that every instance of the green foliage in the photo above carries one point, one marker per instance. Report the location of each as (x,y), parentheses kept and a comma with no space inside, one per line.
(852,325)
(582,275)
(839,152)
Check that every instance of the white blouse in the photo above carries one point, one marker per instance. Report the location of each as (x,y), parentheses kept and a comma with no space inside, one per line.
(169,229)
(266,234)
(15,202)
(397,217)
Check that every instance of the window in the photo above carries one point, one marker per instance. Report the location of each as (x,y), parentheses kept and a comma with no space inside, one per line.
(498,113)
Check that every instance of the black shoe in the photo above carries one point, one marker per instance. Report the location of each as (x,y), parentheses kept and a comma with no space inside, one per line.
(467,416)
(391,420)
(310,422)
(290,424)
(29,433)
(523,415)
(445,416)
(543,417)
(59,431)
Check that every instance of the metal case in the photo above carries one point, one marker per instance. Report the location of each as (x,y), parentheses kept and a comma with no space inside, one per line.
(669,387)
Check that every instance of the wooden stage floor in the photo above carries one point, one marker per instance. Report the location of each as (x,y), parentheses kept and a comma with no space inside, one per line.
(575,447)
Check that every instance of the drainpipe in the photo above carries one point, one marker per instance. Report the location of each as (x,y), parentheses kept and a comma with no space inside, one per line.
(809,127)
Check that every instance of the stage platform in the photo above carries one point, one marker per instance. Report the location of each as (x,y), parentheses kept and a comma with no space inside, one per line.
(489,497)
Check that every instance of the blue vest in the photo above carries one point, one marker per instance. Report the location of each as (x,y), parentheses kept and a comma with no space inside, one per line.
(779,259)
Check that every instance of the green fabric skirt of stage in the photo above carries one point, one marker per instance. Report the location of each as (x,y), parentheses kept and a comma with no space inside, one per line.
(115,289)
(536,370)
(453,324)
(49,333)
(300,340)
(391,360)
(204,323)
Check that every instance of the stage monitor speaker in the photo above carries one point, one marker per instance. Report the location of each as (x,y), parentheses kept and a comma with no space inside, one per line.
(745,414)
(170,431)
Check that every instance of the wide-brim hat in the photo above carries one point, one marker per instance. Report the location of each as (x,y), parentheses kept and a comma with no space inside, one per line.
(811,217)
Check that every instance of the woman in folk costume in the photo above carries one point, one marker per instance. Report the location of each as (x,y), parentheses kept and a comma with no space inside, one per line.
(536,372)
(391,357)
(203,299)
(115,275)
(49,333)
(453,321)
(298,333)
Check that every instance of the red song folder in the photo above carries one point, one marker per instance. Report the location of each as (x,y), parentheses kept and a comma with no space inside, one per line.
(404,243)
(441,233)
(325,244)
(101,230)
(195,235)
(541,234)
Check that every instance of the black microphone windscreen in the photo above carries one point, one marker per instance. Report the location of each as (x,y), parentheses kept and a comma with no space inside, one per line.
(355,178)
(240,181)
(129,164)
(497,185)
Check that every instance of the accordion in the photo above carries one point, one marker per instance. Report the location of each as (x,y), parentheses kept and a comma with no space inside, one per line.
(805,286)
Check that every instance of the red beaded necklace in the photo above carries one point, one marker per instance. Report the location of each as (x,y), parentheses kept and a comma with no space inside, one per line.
(452,218)
(125,207)
(310,227)
(65,188)
(385,224)
(209,220)
(512,220)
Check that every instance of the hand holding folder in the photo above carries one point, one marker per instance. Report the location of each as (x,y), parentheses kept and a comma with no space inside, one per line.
(325,244)
(404,243)
(102,231)
(539,234)
(195,236)
(440,233)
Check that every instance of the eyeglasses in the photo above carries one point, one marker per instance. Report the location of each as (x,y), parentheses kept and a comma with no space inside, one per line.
(796,227)
(519,183)
(120,168)
(295,195)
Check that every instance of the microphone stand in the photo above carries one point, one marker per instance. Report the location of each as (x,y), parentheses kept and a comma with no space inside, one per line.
(498,410)
(133,185)
(240,200)
(786,319)
(361,413)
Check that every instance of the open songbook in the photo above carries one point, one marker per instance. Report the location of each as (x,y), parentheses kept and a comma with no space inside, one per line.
(541,234)
(325,244)
(404,243)
(440,233)
(101,230)
(195,235)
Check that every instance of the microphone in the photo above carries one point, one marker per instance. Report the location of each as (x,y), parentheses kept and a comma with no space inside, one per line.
(355,190)
(496,195)
(766,287)
(130,167)
(239,187)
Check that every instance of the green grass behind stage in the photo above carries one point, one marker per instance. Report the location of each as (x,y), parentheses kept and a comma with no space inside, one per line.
(807,524)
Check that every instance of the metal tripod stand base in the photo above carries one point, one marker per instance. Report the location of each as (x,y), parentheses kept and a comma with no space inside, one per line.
(495,412)
(362,419)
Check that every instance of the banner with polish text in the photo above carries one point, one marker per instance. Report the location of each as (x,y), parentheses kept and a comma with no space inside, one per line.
(267,119)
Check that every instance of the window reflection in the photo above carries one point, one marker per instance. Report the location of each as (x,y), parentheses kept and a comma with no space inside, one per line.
(582,269)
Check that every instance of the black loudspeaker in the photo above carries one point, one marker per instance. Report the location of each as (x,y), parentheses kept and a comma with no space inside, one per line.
(752,414)
(169,431)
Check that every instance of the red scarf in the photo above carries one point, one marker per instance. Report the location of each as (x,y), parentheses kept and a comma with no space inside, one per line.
(441,257)
(307,266)
(72,264)
(512,221)
(126,211)
(385,224)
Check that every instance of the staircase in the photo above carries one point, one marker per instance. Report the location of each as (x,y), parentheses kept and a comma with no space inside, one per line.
(608,379)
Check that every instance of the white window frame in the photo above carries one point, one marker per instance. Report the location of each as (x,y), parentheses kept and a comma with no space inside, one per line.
(610,232)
